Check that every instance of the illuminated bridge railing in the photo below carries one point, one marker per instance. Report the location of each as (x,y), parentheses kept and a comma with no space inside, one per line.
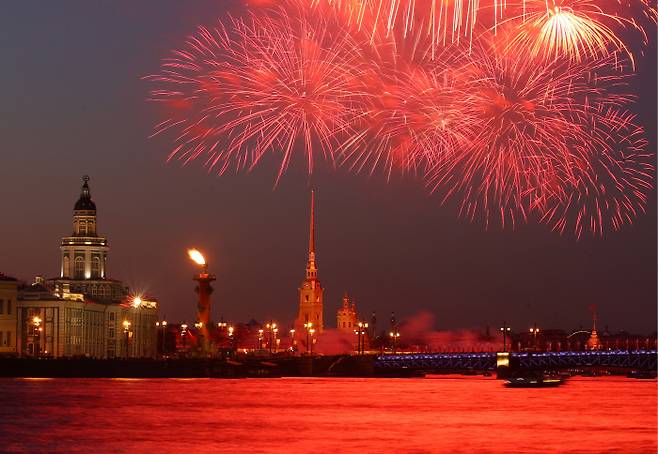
(430,361)
(640,359)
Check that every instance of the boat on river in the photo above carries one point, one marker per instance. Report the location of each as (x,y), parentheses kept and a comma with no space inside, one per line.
(533,381)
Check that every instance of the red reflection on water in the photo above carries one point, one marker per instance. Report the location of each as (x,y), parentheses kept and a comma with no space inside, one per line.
(455,414)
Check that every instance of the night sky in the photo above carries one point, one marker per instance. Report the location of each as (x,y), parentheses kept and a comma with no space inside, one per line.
(73,103)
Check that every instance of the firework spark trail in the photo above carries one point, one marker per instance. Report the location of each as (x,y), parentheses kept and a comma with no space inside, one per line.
(531,124)
(549,28)
(257,86)
(610,189)
(513,124)
(575,29)
(410,116)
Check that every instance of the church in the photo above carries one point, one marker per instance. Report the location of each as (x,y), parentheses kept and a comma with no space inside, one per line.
(311,294)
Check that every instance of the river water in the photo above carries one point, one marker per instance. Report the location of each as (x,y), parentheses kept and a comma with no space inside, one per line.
(447,414)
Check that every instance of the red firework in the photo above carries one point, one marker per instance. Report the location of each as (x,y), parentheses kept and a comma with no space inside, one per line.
(610,189)
(410,110)
(261,85)
(525,120)
(535,129)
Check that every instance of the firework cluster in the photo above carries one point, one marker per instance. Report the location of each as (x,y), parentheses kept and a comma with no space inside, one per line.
(513,112)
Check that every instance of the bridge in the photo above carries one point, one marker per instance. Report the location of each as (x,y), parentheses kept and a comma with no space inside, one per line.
(623,359)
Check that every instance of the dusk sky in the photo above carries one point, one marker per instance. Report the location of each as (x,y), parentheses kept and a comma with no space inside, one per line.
(74,103)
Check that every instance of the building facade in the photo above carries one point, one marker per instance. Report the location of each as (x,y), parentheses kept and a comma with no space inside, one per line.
(311,292)
(346,316)
(51,326)
(8,298)
(81,313)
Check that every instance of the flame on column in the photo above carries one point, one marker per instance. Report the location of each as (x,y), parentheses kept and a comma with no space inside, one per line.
(196,256)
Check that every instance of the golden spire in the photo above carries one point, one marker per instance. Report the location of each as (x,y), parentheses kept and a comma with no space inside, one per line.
(311,270)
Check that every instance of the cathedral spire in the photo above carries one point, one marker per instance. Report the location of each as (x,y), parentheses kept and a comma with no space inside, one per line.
(311,239)
(311,269)
(310,294)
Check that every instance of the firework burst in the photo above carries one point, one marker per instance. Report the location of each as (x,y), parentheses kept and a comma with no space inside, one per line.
(531,125)
(573,29)
(267,84)
(410,116)
(610,189)
(518,114)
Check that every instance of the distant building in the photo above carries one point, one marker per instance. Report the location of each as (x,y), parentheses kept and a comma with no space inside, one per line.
(49,325)
(311,292)
(593,343)
(84,257)
(82,312)
(8,298)
(346,316)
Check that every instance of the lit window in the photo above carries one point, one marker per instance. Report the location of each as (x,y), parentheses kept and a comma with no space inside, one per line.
(66,267)
(96,267)
(79,267)
(82,227)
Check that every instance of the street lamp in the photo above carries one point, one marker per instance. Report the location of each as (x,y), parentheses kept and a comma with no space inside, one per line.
(362,329)
(271,327)
(505,329)
(126,334)
(312,331)
(260,339)
(395,335)
(183,334)
(163,324)
(534,331)
(37,329)
(292,340)
(231,339)
(309,329)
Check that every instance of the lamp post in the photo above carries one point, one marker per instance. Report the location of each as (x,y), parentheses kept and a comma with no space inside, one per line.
(505,330)
(312,332)
(395,335)
(260,339)
(164,336)
(534,331)
(362,329)
(292,340)
(183,334)
(126,334)
(309,327)
(204,290)
(37,329)
(231,339)
(272,332)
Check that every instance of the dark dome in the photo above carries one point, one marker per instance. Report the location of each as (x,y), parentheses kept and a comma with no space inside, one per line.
(85,202)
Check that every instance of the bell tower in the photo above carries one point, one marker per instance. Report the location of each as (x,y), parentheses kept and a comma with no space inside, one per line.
(310,293)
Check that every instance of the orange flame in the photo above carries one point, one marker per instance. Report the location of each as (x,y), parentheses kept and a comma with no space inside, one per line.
(196,256)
